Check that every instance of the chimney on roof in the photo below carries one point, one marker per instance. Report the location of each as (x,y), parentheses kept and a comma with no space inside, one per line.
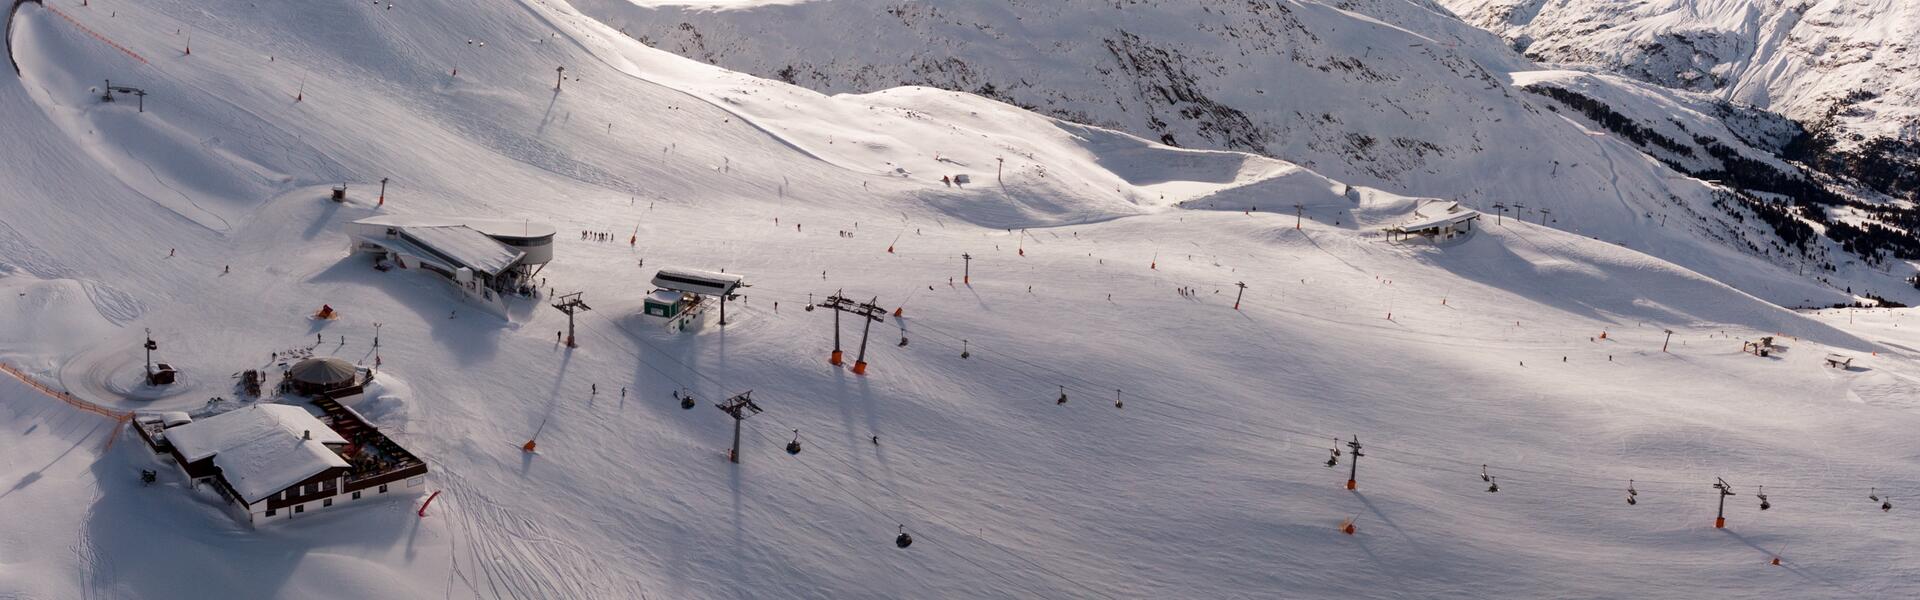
(306,434)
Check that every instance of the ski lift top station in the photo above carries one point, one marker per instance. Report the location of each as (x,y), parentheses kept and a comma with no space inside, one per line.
(480,254)
(680,289)
(1436,219)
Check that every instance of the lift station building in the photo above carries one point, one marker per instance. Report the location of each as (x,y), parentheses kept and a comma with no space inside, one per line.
(484,258)
(678,292)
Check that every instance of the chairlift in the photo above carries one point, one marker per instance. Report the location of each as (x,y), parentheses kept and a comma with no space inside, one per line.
(1335,458)
(1063,396)
(1117,403)
(1762,494)
(903,540)
(963,350)
(1631,493)
(148,476)
(686,400)
(1483,474)
(809,303)
(1493,485)
(793,447)
(1874,494)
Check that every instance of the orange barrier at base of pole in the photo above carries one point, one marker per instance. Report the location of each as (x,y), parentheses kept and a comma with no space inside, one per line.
(836,359)
(1351,484)
(1719,522)
(896,311)
(860,367)
(528,447)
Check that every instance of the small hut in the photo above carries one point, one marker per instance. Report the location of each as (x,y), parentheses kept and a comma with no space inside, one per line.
(320,375)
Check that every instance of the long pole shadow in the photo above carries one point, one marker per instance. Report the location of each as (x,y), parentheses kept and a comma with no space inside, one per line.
(1802,573)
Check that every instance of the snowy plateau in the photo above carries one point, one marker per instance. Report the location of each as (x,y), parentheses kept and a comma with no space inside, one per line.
(1131,310)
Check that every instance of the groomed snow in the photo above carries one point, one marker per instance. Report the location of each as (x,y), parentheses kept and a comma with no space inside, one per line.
(1208,483)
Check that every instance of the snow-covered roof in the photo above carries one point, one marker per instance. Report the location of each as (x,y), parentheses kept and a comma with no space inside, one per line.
(697,281)
(664,296)
(465,247)
(260,449)
(167,418)
(492,227)
(1438,213)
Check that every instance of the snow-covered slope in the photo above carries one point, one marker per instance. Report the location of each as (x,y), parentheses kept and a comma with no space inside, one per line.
(1847,68)
(205,219)
(1386,93)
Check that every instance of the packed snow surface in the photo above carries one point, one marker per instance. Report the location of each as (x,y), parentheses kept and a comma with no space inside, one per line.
(1186,461)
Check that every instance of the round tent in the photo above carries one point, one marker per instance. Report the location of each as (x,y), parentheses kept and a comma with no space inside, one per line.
(315,375)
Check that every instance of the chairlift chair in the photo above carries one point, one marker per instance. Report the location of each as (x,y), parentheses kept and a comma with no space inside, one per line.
(1493,485)
(903,540)
(1063,396)
(1631,493)
(686,400)
(1762,494)
(793,447)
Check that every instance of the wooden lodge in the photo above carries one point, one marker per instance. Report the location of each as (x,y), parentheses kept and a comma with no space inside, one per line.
(282,461)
